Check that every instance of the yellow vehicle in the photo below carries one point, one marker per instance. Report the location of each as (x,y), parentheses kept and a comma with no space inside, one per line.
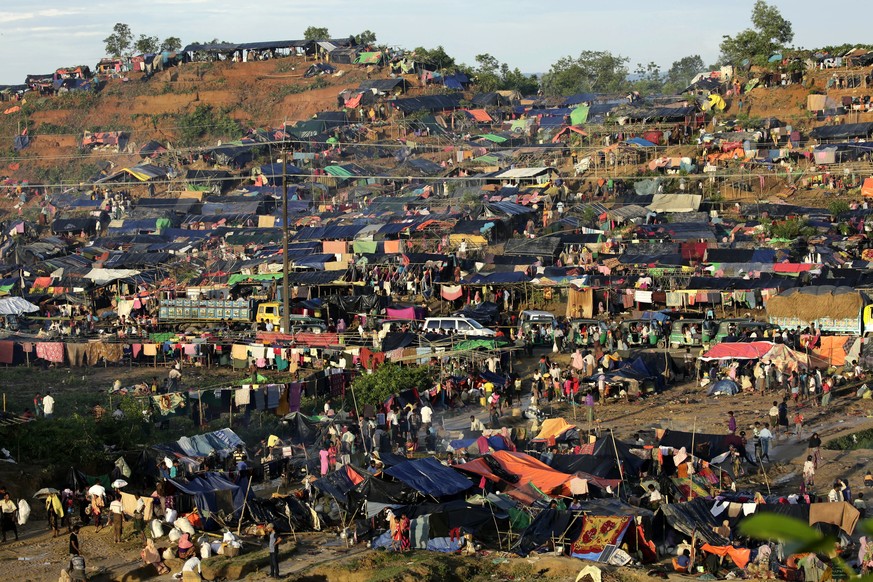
(269,312)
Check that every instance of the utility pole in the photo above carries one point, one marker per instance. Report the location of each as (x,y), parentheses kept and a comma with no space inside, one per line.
(286,304)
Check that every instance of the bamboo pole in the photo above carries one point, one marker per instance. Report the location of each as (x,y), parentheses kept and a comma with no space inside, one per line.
(690,475)
(243,511)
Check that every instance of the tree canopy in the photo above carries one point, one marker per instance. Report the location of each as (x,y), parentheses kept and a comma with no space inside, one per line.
(316,33)
(171,44)
(492,75)
(387,380)
(770,32)
(119,43)
(436,57)
(681,72)
(366,37)
(591,71)
(146,44)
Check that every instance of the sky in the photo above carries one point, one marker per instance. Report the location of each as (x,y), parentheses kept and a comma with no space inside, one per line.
(40,36)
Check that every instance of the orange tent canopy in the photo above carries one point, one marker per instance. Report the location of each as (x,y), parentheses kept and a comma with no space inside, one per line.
(531,471)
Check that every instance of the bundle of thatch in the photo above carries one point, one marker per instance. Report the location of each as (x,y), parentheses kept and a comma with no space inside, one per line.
(814,303)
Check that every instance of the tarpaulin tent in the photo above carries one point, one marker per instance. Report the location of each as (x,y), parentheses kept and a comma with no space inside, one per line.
(728,387)
(692,518)
(602,461)
(867,188)
(340,483)
(531,470)
(553,428)
(737,351)
(579,115)
(16,306)
(430,477)
(706,446)
(548,524)
(675,203)
(210,493)
(833,349)
(787,359)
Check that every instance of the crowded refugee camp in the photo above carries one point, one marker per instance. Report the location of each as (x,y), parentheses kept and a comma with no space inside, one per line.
(333,309)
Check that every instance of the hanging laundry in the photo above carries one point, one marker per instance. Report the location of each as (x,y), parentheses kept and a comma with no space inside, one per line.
(168,403)
(50,351)
(243,395)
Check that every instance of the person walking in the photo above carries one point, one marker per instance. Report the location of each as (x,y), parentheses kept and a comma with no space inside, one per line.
(9,516)
(273,546)
(814,446)
(732,422)
(809,473)
(765,436)
(116,514)
(48,405)
(798,424)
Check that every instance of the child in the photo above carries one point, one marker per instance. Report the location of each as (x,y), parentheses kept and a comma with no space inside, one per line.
(798,424)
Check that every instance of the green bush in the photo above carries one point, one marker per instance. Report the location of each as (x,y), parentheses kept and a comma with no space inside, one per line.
(205,121)
(389,379)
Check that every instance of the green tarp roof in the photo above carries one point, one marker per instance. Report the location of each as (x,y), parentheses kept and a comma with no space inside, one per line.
(579,115)
(338,172)
(493,137)
(238,277)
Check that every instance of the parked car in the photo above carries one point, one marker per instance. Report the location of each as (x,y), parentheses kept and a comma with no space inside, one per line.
(457,324)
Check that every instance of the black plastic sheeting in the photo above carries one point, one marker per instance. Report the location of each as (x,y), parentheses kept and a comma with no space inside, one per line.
(396,340)
(486,313)
(706,446)
(337,484)
(549,523)
(358,303)
(694,516)
(603,462)
(302,430)
(845,131)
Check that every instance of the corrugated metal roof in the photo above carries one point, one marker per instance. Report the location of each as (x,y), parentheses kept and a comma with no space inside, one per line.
(525,172)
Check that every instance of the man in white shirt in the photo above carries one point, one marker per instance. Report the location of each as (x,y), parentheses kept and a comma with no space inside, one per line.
(48,405)
(765,435)
(426,415)
(476,424)
(116,515)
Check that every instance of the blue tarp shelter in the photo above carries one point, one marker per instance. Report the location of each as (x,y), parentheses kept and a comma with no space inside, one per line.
(430,477)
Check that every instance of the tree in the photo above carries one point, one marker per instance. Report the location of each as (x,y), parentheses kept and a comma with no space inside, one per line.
(171,44)
(487,73)
(146,44)
(316,33)
(366,37)
(436,57)
(648,79)
(515,80)
(591,71)
(681,72)
(769,33)
(387,380)
(492,75)
(119,42)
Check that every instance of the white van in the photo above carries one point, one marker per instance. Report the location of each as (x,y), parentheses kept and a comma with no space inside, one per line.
(457,324)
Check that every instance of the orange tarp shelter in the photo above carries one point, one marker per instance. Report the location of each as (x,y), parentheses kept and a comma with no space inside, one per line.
(833,349)
(530,471)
